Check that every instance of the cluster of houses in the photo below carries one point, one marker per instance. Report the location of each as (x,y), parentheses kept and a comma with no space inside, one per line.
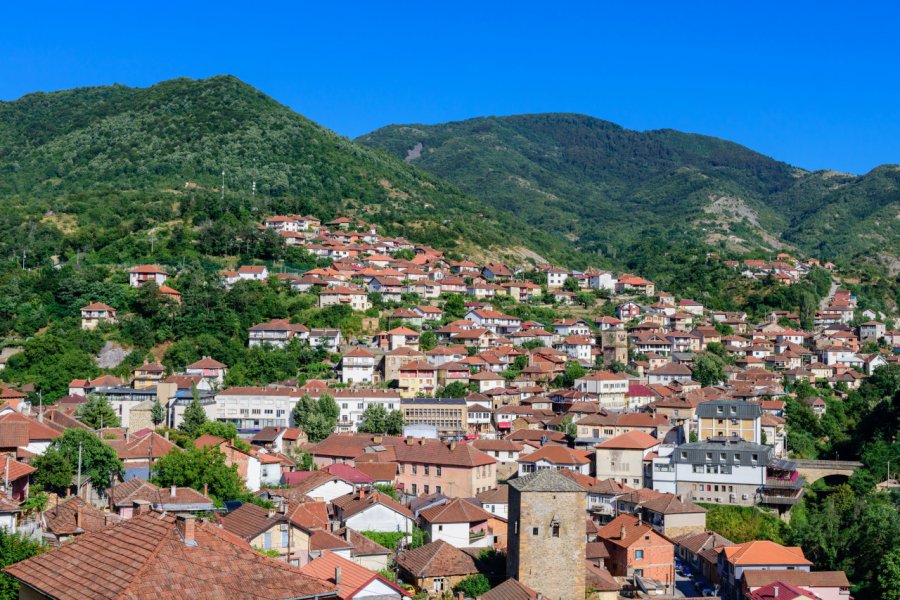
(604,469)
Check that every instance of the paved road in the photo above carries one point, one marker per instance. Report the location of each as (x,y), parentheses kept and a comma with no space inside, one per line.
(827,299)
(684,587)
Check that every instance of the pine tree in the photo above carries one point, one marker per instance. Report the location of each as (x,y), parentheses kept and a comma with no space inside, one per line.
(194,416)
(97,413)
(157,413)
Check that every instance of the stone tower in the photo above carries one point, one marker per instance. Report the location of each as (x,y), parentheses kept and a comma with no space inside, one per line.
(615,345)
(546,540)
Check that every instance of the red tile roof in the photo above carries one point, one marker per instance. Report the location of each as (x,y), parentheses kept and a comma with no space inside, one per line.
(764,552)
(633,440)
(146,558)
(437,559)
(354,577)
(456,510)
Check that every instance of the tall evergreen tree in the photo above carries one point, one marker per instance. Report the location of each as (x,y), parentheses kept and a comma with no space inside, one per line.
(157,413)
(194,416)
(97,413)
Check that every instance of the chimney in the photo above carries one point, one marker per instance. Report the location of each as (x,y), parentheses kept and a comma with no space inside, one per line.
(421,441)
(362,492)
(78,518)
(640,519)
(271,513)
(185,524)
(452,444)
(127,435)
(173,491)
(205,486)
(775,591)
(141,507)
(337,576)
(622,532)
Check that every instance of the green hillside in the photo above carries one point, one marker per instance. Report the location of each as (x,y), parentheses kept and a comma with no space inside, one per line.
(114,172)
(601,185)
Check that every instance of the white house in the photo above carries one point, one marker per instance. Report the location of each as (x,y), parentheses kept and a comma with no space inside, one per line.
(459,523)
(358,366)
(141,274)
(370,510)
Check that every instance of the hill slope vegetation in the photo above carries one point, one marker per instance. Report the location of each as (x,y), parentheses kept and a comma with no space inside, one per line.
(600,186)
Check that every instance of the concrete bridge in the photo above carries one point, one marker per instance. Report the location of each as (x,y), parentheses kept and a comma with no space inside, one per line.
(813,470)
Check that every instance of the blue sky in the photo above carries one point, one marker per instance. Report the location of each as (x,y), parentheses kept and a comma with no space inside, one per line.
(813,84)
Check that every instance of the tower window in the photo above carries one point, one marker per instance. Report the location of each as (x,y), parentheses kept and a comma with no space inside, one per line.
(554,529)
(535,530)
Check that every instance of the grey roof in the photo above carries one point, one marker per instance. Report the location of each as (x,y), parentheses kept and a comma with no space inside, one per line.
(723,453)
(447,401)
(545,481)
(729,409)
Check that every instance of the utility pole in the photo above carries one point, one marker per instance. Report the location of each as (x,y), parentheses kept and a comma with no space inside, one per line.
(78,489)
(223,185)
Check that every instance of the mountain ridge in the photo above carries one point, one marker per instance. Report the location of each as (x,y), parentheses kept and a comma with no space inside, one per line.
(103,151)
(645,178)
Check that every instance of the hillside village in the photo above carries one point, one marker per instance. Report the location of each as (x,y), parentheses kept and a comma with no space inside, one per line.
(486,431)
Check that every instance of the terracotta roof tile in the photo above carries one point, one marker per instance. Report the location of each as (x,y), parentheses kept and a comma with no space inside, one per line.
(146,558)
(437,559)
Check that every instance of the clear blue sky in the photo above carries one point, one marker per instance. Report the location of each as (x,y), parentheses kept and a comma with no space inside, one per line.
(816,84)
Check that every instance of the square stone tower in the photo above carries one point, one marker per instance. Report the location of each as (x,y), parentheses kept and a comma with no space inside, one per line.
(546,538)
(614,342)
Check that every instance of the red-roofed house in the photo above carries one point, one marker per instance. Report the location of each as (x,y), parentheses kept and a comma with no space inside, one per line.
(636,549)
(626,458)
(96,313)
(352,580)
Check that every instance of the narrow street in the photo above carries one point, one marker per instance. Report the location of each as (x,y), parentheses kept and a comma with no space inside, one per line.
(827,299)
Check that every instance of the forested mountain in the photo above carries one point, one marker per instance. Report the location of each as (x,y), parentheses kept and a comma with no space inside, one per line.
(602,186)
(110,171)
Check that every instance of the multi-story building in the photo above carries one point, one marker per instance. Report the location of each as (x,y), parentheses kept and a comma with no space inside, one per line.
(96,313)
(757,555)
(354,402)
(417,377)
(355,298)
(209,369)
(637,550)
(276,333)
(141,274)
(448,415)
(726,471)
(609,387)
(624,458)
(252,408)
(729,419)
(358,366)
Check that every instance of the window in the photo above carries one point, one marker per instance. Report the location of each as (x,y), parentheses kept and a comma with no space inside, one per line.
(438,471)
(285,539)
(414,490)
(437,489)
(427,472)
(639,572)
(426,489)
(535,531)
(344,405)
(267,540)
(638,554)
(415,469)
(440,527)
(554,529)
(439,584)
